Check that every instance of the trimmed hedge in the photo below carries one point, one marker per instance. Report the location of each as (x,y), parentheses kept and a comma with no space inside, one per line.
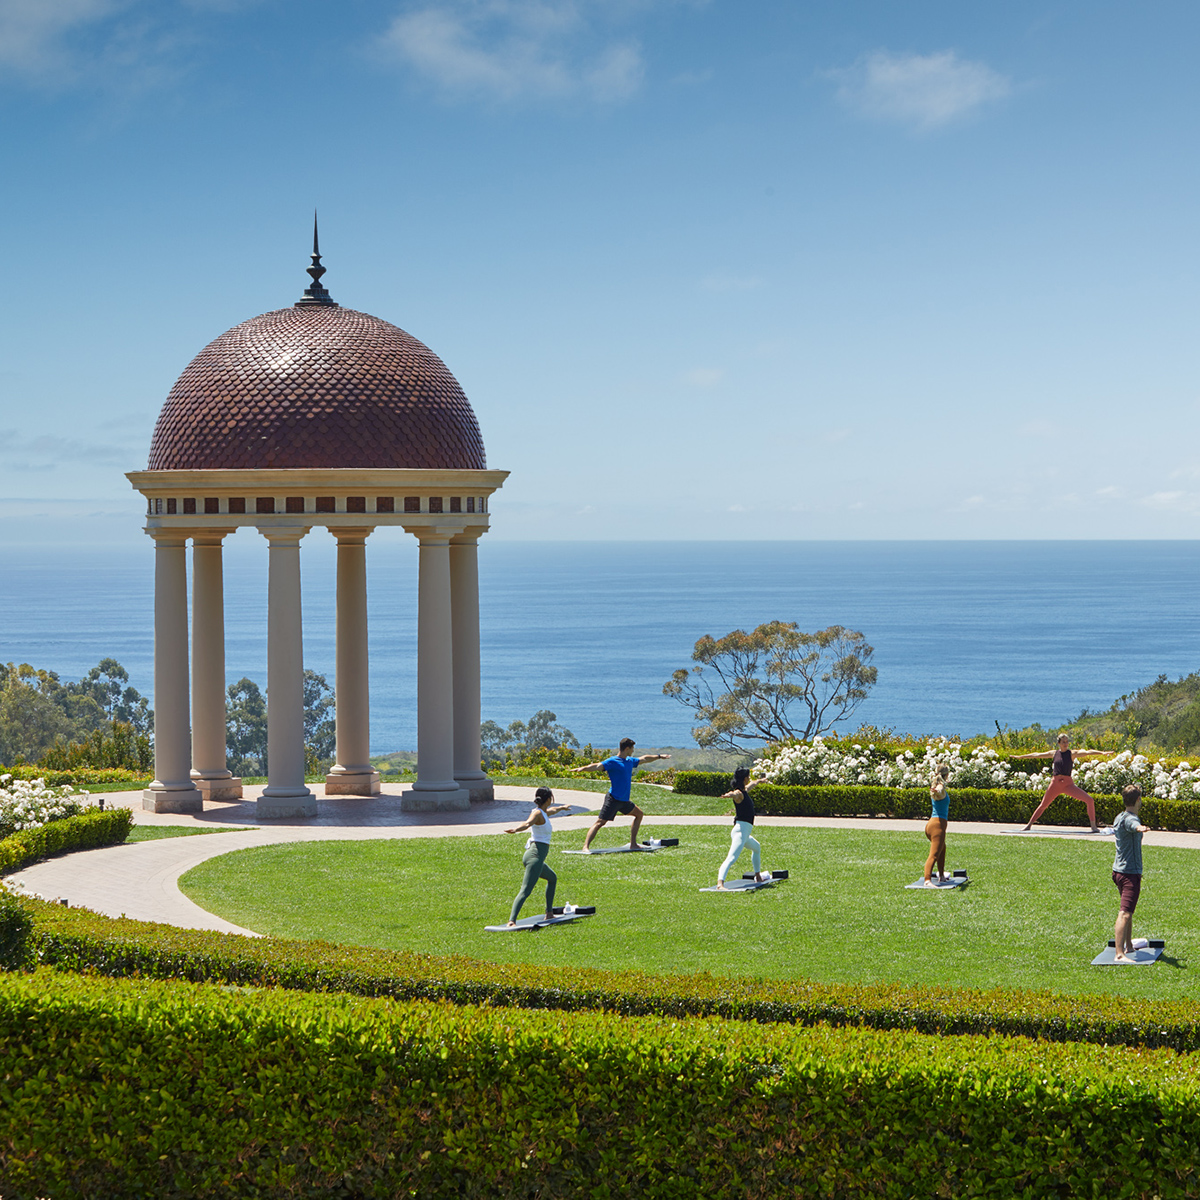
(74,939)
(87,831)
(966,804)
(174,1091)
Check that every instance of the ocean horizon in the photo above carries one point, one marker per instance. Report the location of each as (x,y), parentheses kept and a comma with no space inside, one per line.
(966,634)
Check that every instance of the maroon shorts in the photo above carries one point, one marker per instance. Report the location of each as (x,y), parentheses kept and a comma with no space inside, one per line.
(1130,887)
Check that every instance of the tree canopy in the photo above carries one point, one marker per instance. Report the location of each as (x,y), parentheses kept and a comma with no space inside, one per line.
(773,684)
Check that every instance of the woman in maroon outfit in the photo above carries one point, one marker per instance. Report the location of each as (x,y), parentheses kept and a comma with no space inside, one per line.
(1061,783)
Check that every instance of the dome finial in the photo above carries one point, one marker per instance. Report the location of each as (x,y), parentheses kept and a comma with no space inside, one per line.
(315,294)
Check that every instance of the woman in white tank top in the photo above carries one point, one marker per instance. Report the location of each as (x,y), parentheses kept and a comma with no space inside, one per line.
(536,850)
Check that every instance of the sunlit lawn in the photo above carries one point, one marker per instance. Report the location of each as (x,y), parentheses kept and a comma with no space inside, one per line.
(1034,915)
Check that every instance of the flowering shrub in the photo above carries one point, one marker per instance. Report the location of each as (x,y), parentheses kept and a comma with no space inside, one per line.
(31,803)
(834,762)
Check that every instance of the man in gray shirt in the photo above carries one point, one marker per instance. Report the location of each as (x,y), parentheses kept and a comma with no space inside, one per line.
(1127,868)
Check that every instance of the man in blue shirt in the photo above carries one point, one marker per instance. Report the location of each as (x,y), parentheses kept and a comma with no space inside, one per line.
(619,769)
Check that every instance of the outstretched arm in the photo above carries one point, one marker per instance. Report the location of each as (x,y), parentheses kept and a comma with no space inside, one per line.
(590,767)
(651,757)
(1040,754)
(535,818)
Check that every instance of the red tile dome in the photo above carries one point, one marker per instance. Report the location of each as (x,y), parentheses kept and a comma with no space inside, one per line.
(317,386)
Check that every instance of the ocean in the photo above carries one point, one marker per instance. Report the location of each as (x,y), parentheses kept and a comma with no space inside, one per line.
(965,633)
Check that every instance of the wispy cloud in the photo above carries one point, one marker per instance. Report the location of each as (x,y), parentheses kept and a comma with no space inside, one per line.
(516,49)
(923,91)
(35,34)
(705,377)
(44,451)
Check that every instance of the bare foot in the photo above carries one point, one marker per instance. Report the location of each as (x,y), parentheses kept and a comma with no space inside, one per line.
(930,883)
(721,886)
(1120,957)
(512,924)
(1027,828)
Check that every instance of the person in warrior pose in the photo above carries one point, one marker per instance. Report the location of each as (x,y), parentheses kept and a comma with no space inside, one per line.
(536,850)
(743,827)
(1061,783)
(1127,868)
(935,827)
(619,768)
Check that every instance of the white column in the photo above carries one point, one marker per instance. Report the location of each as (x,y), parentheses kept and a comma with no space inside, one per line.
(436,787)
(172,789)
(209,772)
(353,774)
(285,794)
(464,606)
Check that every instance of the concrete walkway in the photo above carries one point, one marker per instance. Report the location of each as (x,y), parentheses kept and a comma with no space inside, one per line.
(141,879)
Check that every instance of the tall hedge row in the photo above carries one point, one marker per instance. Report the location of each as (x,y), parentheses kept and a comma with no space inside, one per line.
(87,831)
(78,940)
(966,804)
(122,1090)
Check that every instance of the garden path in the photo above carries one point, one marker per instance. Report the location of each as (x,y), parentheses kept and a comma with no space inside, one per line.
(141,879)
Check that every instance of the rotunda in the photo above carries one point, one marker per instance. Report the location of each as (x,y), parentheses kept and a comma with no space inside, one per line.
(315,415)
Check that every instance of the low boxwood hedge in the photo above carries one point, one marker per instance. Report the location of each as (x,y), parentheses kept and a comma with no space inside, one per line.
(87,831)
(77,940)
(184,1091)
(966,804)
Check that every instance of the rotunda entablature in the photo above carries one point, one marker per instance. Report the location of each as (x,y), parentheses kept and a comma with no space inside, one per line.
(414,499)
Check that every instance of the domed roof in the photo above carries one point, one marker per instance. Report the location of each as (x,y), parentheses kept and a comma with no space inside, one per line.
(316,386)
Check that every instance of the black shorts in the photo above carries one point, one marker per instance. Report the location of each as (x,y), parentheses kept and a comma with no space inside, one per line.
(1130,887)
(612,806)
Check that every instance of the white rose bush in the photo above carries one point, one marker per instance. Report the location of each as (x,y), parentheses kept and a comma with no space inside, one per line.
(31,803)
(854,764)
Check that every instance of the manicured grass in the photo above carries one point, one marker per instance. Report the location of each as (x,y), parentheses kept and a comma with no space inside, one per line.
(152,833)
(1033,917)
(648,797)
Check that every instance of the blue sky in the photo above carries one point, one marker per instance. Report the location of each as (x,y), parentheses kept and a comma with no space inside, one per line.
(705,269)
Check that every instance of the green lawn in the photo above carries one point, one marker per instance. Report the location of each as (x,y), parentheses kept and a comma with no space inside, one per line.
(152,833)
(1034,915)
(649,797)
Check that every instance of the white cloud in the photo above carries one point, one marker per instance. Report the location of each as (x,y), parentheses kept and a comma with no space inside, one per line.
(924,91)
(44,451)
(33,32)
(1172,501)
(511,49)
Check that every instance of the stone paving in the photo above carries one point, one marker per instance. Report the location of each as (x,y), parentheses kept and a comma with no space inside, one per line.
(141,879)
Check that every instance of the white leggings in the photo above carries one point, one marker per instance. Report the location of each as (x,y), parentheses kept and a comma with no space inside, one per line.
(742,837)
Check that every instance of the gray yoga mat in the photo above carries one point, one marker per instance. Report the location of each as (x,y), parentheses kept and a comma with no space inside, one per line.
(529,924)
(738,885)
(645,847)
(1143,957)
(957,879)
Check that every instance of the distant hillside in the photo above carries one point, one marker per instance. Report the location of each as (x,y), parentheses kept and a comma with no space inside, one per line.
(1163,715)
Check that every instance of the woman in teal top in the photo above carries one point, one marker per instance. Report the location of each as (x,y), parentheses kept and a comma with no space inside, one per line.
(935,827)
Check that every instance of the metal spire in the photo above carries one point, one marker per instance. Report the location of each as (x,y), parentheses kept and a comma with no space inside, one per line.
(315,295)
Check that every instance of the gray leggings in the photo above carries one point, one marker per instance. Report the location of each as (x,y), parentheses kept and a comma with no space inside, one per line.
(534,859)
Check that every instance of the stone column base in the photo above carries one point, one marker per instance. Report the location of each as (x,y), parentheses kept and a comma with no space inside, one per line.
(346,783)
(303,804)
(483,791)
(414,801)
(229,788)
(182,800)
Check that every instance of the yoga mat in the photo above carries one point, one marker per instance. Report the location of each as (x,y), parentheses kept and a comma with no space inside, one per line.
(1144,956)
(529,924)
(957,879)
(738,885)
